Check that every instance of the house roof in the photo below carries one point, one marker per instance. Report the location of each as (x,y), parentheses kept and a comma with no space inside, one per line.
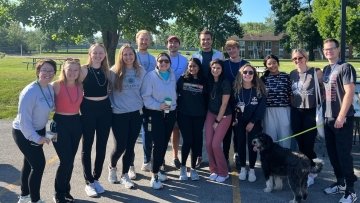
(262,37)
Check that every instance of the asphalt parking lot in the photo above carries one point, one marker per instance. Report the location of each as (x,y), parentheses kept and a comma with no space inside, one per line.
(203,190)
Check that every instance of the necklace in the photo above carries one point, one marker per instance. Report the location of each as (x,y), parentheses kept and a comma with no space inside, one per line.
(51,96)
(97,79)
(242,97)
(231,71)
(77,94)
(148,60)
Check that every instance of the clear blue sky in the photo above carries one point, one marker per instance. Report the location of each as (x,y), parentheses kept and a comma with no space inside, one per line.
(254,10)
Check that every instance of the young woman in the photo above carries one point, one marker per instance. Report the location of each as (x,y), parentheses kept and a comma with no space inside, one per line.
(303,111)
(159,95)
(191,115)
(278,88)
(36,101)
(126,78)
(249,95)
(217,121)
(68,97)
(95,116)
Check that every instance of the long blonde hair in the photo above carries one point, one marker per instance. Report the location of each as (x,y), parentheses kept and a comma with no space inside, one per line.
(256,82)
(119,67)
(62,76)
(104,63)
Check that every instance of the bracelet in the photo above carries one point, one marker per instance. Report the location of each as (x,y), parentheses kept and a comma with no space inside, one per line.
(216,121)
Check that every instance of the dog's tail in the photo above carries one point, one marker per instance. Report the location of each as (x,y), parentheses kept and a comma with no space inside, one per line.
(319,163)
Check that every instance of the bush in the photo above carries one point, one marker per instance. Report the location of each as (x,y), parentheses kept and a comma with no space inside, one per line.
(2,55)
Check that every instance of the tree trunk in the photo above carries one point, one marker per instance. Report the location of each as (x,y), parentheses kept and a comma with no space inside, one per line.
(311,53)
(111,39)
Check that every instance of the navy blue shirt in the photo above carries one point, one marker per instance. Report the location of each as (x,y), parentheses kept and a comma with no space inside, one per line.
(254,110)
(278,89)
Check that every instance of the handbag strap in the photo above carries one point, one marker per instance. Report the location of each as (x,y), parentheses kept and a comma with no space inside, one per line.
(317,90)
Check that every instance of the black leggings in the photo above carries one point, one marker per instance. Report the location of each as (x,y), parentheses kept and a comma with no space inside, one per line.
(161,127)
(303,119)
(33,164)
(95,116)
(126,128)
(191,131)
(68,138)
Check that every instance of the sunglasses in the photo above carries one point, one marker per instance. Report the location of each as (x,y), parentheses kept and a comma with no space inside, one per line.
(72,59)
(163,61)
(249,72)
(298,58)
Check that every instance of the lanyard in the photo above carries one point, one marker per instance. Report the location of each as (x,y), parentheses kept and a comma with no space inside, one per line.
(42,92)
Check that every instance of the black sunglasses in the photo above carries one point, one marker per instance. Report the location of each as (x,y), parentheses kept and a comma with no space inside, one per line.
(250,72)
(163,60)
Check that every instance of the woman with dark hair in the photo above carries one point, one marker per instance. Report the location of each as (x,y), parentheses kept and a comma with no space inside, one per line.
(126,78)
(159,95)
(277,114)
(36,101)
(249,95)
(217,121)
(191,115)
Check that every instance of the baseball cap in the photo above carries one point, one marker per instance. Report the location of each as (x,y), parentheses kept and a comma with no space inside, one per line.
(173,37)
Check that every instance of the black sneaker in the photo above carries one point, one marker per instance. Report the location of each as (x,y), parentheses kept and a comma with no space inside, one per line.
(59,199)
(176,163)
(69,198)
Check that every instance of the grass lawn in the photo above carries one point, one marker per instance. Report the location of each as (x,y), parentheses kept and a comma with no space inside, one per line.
(14,76)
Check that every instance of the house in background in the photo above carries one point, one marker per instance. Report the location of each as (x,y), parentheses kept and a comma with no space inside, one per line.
(257,46)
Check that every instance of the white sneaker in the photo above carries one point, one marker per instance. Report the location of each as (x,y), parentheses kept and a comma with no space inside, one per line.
(162,177)
(243,173)
(24,199)
(213,176)
(335,189)
(132,173)
(155,183)
(311,179)
(221,179)
(183,174)
(112,177)
(349,197)
(193,174)
(98,187)
(90,190)
(146,167)
(251,177)
(126,181)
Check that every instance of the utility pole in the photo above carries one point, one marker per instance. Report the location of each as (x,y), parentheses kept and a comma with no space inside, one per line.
(343,30)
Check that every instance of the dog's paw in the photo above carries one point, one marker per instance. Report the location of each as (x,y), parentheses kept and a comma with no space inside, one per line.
(276,187)
(267,189)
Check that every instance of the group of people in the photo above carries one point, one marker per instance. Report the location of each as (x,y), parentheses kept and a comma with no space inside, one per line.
(169,96)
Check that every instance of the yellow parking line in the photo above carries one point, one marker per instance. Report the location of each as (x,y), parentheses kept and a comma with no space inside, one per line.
(12,186)
(236,186)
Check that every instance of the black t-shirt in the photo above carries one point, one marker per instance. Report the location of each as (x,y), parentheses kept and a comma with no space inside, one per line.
(216,91)
(334,78)
(191,96)
(303,89)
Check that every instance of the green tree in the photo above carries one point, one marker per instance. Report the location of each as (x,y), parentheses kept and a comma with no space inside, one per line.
(112,18)
(257,28)
(284,10)
(302,33)
(328,17)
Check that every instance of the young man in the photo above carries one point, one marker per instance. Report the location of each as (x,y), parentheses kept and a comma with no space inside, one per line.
(178,66)
(231,69)
(148,61)
(205,55)
(339,81)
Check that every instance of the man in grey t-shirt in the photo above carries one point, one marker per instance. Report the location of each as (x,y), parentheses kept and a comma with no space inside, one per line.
(339,80)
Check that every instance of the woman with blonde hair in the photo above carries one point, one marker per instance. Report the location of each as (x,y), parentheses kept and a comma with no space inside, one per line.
(250,100)
(68,97)
(303,105)
(95,116)
(126,78)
